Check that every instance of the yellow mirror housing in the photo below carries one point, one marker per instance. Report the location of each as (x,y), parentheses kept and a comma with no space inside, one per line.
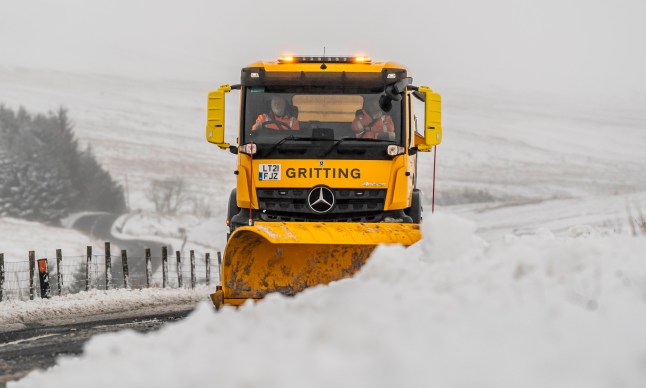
(432,119)
(215,117)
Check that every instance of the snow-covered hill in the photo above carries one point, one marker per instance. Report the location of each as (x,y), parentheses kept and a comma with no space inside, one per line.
(500,148)
(140,129)
(549,161)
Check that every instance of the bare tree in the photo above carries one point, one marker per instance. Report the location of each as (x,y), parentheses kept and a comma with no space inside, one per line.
(201,206)
(167,195)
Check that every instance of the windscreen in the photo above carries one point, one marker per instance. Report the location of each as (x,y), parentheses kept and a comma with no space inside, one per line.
(332,124)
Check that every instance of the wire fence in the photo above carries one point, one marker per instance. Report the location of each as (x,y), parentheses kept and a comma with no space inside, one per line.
(23,280)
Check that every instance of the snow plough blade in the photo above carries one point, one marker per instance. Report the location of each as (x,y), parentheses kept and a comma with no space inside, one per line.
(289,257)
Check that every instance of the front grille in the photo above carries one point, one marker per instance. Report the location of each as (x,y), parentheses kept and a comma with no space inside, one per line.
(359,205)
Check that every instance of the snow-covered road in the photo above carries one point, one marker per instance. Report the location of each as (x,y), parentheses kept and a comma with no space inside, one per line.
(22,351)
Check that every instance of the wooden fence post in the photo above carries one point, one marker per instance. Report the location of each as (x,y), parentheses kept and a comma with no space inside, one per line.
(207,259)
(59,275)
(88,269)
(108,267)
(124,262)
(179,268)
(149,268)
(32,271)
(1,274)
(164,266)
(193,280)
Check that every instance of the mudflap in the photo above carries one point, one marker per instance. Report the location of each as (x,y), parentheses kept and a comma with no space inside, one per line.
(218,299)
(289,257)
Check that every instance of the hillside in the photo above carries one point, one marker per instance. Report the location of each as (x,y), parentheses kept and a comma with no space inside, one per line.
(500,148)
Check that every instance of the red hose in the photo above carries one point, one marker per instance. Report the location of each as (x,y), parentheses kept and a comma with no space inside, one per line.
(433,196)
(250,222)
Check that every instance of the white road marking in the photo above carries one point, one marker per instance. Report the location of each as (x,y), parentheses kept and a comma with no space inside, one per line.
(27,339)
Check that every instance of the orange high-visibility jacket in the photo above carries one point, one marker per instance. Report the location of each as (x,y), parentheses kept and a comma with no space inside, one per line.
(366,126)
(291,122)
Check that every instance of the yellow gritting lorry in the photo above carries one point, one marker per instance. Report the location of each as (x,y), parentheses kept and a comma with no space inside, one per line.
(322,178)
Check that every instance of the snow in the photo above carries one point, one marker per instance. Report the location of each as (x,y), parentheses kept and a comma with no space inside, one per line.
(87,305)
(201,234)
(17,238)
(453,311)
(603,214)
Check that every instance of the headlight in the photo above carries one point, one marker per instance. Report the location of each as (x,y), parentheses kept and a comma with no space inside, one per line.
(249,149)
(394,150)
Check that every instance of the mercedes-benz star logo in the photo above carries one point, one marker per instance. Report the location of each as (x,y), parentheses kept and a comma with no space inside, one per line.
(320,199)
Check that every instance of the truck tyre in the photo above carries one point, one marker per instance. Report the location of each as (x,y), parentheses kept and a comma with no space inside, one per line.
(415,209)
(232,210)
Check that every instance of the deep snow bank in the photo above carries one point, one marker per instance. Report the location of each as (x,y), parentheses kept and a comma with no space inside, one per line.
(452,311)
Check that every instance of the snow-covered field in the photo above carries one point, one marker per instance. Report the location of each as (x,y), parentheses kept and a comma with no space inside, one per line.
(18,237)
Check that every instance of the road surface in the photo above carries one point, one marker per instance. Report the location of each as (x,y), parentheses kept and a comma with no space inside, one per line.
(25,350)
(99,226)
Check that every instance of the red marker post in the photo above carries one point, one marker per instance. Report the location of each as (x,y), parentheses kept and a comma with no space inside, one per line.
(43,275)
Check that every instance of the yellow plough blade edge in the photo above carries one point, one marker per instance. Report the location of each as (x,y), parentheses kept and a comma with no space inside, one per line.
(289,257)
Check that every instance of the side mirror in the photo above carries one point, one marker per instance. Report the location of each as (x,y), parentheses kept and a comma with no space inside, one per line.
(215,117)
(432,118)
(393,92)
(385,103)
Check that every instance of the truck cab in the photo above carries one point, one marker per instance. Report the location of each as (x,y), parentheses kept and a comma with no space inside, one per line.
(283,171)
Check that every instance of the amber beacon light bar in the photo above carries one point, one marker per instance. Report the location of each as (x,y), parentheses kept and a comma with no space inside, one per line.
(322,59)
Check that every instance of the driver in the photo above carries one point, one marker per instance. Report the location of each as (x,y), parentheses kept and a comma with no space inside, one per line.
(372,123)
(278,118)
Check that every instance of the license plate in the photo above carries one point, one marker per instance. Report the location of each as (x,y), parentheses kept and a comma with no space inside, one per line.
(269,172)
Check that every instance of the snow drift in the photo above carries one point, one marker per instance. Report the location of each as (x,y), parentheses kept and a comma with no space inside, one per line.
(451,311)
(87,305)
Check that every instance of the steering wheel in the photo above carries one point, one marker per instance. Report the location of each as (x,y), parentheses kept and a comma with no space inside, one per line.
(279,125)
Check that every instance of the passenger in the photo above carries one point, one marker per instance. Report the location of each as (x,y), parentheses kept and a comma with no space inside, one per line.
(372,123)
(278,118)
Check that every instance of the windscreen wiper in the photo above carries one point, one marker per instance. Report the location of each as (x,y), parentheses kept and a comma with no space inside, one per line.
(295,138)
(367,139)
(336,143)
